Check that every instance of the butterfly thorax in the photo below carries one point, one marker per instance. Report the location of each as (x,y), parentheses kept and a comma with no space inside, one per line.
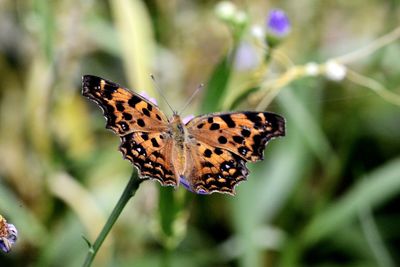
(177,130)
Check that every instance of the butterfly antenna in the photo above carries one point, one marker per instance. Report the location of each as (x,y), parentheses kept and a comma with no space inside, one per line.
(161,93)
(201,86)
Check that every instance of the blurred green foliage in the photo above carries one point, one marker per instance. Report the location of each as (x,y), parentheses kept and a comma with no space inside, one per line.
(326,195)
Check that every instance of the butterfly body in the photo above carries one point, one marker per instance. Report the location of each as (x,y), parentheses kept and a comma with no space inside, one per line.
(180,140)
(207,154)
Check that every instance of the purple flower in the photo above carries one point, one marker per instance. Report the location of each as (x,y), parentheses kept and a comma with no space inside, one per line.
(8,235)
(278,23)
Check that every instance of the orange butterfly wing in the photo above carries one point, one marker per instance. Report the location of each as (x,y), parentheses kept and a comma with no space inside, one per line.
(140,125)
(225,142)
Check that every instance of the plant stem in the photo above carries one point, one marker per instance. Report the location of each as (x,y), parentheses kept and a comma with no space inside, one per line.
(129,192)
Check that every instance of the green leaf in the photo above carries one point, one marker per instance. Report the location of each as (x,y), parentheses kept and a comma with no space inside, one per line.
(217,85)
(372,190)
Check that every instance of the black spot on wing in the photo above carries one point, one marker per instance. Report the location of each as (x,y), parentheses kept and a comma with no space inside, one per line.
(108,94)
(146,112)
(255,118)
(134,100)
(127,116)
(207,153)
(238,139)
(108,90)
(222,140)
(245,132)
(120,106)
(145,136)
(214,126)
(218,151)
(200,126)
(141,123)
(154,142)
(207,164)
(228,120)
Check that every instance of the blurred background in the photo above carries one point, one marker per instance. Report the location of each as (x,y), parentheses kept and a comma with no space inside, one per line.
(327,194)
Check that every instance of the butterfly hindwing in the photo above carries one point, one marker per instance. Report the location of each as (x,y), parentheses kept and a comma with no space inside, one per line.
(149,152)
(214,169)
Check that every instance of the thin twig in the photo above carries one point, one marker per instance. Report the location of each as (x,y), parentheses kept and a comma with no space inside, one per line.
(375,86)
(370,48)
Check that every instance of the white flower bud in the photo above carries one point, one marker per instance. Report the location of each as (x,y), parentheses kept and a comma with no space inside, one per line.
(225,10)
(258,32)
(335,71)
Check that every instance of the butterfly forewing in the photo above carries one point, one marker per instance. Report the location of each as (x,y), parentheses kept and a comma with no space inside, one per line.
(243,133)
(125,111)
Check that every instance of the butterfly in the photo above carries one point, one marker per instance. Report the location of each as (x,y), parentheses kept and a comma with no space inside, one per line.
(207,154)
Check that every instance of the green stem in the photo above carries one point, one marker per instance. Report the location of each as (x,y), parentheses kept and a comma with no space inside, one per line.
(129,192)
